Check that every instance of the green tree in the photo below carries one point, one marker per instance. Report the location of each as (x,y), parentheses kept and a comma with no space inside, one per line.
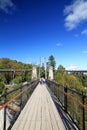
(2,87)
(61,68)
(52,61)
(73,82)
(59,74)
(6,63)
(17,80)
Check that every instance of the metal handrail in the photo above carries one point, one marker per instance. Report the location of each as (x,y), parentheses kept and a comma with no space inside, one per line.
(15,70)
(22,93)
(66,96)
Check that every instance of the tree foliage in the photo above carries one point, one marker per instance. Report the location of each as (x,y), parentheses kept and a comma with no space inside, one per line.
(73,80)
(7,77)
(52,61)
(2,87)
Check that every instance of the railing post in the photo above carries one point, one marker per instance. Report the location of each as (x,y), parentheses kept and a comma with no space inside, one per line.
(65,98)
(27,93)
(21,105)
(4,124)
(53,88)
(83,113)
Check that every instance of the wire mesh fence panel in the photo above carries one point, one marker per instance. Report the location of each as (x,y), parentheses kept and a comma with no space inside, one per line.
(11,104)
(73,102)
(85,112)
(74,109)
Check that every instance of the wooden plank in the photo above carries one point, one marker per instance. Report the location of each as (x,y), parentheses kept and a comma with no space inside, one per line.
(39,113)
(24,115)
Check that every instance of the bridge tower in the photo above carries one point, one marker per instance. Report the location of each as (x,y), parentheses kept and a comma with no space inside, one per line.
(34,72)
(50,73)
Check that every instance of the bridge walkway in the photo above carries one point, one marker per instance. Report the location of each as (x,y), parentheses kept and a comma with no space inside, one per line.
(40,113)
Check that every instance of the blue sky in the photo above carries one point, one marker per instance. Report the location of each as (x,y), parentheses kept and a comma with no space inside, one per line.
(30,29)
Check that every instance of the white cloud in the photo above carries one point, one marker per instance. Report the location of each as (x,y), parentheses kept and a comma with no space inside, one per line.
(76,14)
(72,67)
(75,67)
(6,5)
(58,44)
(84,32)
(85,52)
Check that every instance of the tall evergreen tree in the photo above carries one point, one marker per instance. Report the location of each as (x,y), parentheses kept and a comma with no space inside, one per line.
(52,61)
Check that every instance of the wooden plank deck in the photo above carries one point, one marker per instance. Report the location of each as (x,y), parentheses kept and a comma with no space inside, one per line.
(39,113)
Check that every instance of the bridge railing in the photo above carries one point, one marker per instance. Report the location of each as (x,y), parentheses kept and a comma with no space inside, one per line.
(11,104)
(73,103)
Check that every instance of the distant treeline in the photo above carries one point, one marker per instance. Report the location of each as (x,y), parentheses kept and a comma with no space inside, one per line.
(74,80)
